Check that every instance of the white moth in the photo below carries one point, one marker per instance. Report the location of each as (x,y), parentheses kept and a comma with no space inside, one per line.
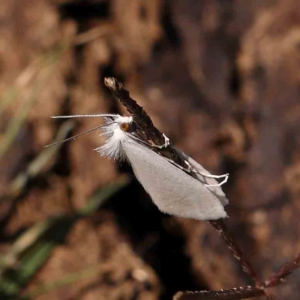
(171,187)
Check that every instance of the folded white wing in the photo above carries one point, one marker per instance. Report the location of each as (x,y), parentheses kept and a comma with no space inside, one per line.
(171,189)
(216,190)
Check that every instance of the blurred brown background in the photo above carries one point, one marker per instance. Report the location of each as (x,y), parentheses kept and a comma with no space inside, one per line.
(221,78)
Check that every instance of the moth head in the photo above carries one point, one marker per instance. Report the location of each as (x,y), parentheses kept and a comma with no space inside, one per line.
(125,127)
(116,130)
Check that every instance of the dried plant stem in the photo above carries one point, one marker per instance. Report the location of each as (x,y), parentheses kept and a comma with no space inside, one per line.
(221,228)
(230,294)
(154,136)
(157,138)
(283,272)
(141,117)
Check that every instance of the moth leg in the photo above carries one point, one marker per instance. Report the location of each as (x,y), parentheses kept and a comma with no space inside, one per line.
(166,143)
(177,165)
(218,184)
(214,176)
(225,176)
(190,168)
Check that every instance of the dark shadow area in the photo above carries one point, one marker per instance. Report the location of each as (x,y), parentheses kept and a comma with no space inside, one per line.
(163,250)
(82,11)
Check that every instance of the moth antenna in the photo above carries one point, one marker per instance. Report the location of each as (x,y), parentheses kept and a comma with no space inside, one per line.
(84,116)
(74,136)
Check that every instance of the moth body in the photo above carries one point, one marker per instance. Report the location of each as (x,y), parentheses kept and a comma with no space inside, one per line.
(172,190)
(185,191)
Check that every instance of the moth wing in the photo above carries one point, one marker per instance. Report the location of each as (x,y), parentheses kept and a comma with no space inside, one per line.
(172,190)
(217,190)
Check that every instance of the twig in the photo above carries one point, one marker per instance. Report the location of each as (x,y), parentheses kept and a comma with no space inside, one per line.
(157,138)
(230,294)
(142,119)
(153,134)
(221,228)
(283,272)
(140,116)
